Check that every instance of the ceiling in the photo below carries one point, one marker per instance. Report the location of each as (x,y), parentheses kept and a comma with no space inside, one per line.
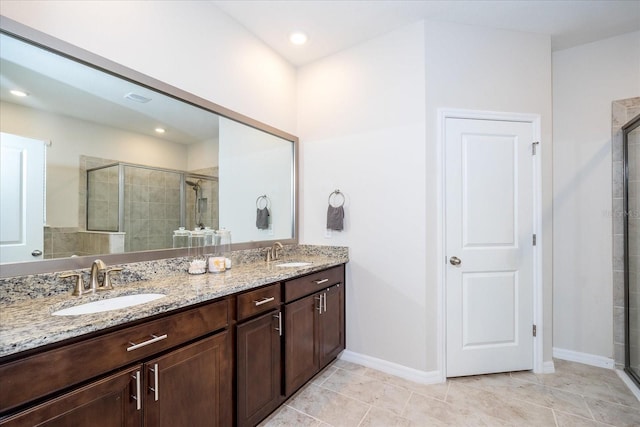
(69,88)
(335,25)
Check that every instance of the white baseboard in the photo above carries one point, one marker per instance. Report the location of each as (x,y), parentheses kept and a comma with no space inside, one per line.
(548,367)
(415,375)
(629,383)
(586,358)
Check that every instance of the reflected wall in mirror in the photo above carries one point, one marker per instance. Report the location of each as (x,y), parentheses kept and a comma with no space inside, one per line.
(126,165)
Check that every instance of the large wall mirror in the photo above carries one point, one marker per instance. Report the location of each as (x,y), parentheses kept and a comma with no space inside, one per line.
(114,162)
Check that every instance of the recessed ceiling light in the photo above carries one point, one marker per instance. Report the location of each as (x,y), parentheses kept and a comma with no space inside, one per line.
(298,38)
(160,130)
(137,98)
(19,93)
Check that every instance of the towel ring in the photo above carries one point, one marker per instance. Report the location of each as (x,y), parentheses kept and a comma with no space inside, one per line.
(333,197)
(264,199)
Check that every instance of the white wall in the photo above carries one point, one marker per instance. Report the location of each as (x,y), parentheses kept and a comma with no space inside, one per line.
(367,124)
(362,130)
(586,79)
(189,44)
(70,138)
(477,68)
(247,155)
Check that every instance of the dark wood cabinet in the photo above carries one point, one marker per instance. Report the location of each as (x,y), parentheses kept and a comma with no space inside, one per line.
(331,325)
(187,387)
(109,402)
(301,342)
(47,372)
(259,368)
(191,386)
(314,326)
(179,370)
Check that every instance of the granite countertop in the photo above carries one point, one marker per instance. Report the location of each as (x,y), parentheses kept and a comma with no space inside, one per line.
(28,324)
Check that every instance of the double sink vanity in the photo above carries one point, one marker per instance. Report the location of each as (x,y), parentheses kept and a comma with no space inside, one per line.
(215,349)
(160,347)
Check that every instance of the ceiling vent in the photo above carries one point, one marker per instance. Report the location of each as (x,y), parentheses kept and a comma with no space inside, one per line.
(137,98)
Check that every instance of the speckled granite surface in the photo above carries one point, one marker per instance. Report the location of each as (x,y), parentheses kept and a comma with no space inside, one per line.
(26,303)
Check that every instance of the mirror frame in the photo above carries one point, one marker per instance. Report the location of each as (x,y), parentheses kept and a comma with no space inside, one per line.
(74,53)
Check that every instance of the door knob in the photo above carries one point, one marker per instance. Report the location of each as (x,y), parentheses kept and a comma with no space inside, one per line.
(36,252)
(454,260)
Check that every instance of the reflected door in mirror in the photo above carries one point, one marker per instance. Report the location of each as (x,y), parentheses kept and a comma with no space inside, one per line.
(21,198)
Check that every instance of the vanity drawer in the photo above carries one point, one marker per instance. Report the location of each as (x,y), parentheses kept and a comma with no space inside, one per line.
(44,373)
(258,301)
(302,286)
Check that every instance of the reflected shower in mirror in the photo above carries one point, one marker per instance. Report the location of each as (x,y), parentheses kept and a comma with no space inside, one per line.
(127,164)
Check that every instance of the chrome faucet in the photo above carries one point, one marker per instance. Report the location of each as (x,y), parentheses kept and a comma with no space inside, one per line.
(97,267)
(272,252)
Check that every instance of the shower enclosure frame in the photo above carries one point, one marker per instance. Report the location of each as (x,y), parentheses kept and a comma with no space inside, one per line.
(121,186)
(626,129)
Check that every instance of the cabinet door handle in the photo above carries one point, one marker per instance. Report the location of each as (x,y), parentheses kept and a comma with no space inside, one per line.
(321,281)
(137,396)
(264,300)
(325,302)
(155,388)
(319,298)
(154,338)
(279,328)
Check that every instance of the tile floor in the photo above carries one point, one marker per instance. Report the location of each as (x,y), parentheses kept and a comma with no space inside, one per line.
(346,394)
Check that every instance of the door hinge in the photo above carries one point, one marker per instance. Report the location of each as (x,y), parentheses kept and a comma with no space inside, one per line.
(533,150)
(535,330)
(535,239)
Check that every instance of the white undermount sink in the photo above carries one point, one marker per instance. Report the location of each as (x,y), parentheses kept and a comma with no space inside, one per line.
(108,304)
(294,264)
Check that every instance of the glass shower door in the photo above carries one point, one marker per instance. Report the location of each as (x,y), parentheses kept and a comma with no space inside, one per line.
(632,247)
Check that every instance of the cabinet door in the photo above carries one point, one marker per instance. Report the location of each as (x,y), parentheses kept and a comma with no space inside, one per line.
(110,402)
(259,368)
(301,350)
(191,386)
(331,325)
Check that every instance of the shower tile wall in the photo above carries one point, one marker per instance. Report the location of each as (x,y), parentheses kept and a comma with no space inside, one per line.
(152,208)
(60,242)
(210,188)
(87,162)
(103,201)
(622,112)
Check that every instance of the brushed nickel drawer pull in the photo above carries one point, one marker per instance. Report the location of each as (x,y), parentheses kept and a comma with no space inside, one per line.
(155,338)
(321,281)
(264,300)
(137,397)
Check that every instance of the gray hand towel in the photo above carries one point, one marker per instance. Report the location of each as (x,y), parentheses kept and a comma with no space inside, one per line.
(262,218)
(335,218)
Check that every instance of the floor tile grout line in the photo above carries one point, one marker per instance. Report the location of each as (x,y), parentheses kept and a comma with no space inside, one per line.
(404,408)
(584,418)
(356,399)
(365,415)
(308,415)
(574,393)
(511,398)
(555,418)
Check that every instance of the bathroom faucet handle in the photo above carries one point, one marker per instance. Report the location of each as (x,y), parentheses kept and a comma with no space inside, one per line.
(78,288)
(106,284)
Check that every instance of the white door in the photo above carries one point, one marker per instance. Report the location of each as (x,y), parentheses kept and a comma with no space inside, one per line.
(489,246)
(21,198)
